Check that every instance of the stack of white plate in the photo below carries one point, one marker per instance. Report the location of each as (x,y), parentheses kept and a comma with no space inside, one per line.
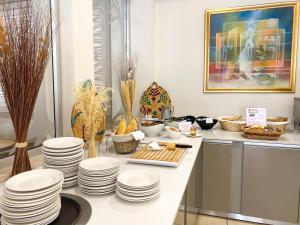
(98,176)
(137,185)
(32,197)
(64,154)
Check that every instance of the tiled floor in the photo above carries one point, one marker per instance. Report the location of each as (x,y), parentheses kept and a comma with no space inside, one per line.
(196,219)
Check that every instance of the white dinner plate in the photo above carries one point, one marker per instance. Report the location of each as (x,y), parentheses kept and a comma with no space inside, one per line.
(31,213)
(33,194)
(136,199)
(62,143)
(99,164)
(97,192)
(99,188)
(98,178)
(60,157)
(63,152)
(41,222)
(138,179)
(33,219)
(34,180)
(27,202)
(65,167)
(29,208)
(138,193)
(96,184)
(144,188)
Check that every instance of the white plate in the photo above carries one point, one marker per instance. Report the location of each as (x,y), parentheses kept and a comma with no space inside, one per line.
(139,192)
(29,208)
(60,157)
(34,219)
(41,222)
(31,213)
(98,178)
(138,195)
(136,199)
(145,188)
(62,143)
(96,184)
(33,194)
(61,163)
(193,136)
(27,202)
(99,188)
(66,167)
(99,164)
(34,180)
(97,192)
(138,178)
(63,152)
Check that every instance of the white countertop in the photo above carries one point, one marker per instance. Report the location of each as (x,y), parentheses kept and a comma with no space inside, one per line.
(109,210)
(289,137)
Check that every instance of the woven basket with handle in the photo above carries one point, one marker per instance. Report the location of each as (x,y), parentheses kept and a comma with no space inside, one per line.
(124,143)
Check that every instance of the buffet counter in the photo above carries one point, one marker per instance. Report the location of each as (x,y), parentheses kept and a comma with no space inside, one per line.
(290,137)
(110,210)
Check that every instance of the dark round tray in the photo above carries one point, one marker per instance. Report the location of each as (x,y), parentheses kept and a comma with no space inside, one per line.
(74,210)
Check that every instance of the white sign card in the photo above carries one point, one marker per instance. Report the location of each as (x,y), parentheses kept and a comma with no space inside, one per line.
(209,120)
(256,116)
(184,126)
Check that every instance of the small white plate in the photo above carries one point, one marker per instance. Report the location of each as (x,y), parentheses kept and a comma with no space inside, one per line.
(34,180)
(99,164)
(193,136)
(62,143)
(138,178)
(136,199)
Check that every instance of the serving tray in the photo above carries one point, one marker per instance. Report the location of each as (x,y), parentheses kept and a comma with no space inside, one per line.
(161,158)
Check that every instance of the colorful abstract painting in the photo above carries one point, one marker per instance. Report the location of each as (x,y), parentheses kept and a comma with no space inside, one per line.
(251,49)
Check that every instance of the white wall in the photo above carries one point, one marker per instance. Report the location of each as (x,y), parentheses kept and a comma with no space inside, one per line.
(177,34)
(77,60)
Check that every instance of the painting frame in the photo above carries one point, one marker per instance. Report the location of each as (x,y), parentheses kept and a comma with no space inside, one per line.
(293,50)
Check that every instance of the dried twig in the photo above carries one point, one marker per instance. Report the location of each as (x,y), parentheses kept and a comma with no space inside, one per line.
(25,42)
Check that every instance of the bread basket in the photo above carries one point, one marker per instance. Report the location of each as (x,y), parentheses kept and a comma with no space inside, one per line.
(124,143)
(278,122)
(232,123)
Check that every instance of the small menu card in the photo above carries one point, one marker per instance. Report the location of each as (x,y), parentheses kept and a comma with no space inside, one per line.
(256,116)
(184,126)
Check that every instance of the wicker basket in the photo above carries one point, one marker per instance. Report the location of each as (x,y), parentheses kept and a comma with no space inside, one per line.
(270,133)
(229,125)
(124,143)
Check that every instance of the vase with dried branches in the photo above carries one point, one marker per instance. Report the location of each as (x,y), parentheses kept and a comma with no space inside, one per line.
(127,85)
(25,43)
(92,102)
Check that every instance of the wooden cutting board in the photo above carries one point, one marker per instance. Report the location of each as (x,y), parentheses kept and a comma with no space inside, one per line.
(163,157)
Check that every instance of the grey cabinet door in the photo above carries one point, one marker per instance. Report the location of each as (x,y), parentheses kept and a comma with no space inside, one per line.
(271,177)
(222,174)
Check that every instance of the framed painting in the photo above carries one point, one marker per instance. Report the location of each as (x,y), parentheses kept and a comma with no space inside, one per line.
(252,48)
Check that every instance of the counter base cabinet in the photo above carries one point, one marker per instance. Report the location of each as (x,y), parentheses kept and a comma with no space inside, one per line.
(222,173)
(271,181)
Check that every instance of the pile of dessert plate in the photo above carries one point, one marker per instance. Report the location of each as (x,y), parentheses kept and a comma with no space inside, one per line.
(32,197)
(98,176)
(64,154)
(138,185)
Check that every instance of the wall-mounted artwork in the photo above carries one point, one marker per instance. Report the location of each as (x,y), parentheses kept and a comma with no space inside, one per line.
(251,49)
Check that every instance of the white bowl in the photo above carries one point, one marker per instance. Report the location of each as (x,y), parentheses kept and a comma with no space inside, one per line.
(280,125)
(172,133)
(152,131)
